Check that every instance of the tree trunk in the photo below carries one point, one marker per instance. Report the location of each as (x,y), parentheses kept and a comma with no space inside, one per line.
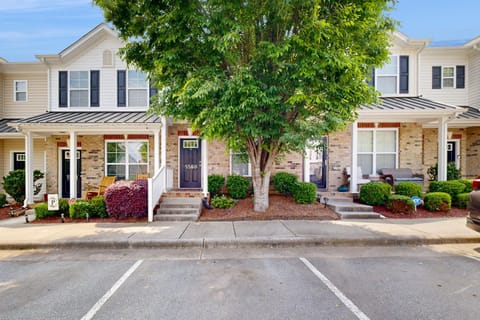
(261,185)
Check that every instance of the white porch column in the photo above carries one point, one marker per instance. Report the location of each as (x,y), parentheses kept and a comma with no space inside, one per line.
(205,167)
(442,148)
(73,165)
(306,166)
(163,155)
(28,169)
(156,151)
(354,165)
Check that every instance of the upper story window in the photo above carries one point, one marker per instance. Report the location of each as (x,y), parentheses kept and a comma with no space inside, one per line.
(392,78)
(79,88)
(132,89)
(448,77)
(20,90)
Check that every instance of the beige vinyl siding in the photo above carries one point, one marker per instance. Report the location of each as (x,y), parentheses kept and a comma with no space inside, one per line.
(1,95)
(18,145)
(91,58)
(474,76)
(37,88)
(446,58)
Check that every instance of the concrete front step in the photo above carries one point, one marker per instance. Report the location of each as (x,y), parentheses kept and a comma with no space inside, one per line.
(347,209)
(179,209)
(359,215)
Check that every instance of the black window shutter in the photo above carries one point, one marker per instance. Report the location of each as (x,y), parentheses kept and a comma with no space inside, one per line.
(121,88)
(153,91)
(371,75)
(436,77)
(63,89)
(403,74)
(460,77)
(94,88)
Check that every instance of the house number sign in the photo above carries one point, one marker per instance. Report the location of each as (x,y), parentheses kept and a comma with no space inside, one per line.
(191,166)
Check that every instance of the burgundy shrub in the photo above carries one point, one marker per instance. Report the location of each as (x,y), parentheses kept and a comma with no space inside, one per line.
(127,199)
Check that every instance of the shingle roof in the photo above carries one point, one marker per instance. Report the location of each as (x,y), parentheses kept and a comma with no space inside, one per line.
(91,117)
(407,104)
(4,128)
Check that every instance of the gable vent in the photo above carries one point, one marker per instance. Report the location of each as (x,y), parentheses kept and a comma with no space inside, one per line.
(107,58)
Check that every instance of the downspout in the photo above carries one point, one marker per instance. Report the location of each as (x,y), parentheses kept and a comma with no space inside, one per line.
(418,70)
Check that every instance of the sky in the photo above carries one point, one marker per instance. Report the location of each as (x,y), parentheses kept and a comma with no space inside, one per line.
(31,27)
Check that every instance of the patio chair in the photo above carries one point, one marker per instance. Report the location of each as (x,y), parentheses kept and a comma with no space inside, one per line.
(142,176)
(99,190)
(360,179)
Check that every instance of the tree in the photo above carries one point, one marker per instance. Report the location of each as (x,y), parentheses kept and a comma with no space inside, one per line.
(267,76)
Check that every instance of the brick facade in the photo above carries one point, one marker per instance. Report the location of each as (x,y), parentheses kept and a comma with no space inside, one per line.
(339,157)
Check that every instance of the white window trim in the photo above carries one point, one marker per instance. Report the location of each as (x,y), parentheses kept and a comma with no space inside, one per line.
(15,90)
(128,88)
(396,75)
(374,152)
(249,170)
(454,77)
(70,89)
(127,163)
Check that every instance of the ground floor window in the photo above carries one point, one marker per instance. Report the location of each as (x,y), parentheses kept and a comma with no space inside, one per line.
(377,149)
(240,164)
(126,158)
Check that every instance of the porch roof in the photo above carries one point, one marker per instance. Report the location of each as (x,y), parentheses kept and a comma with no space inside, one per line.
(87,121)
(408,109)
(5,129)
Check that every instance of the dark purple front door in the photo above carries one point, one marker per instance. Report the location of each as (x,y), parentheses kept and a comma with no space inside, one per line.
(190,163)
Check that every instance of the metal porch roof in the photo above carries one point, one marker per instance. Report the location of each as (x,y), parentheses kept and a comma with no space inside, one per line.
(91,117)
(470,114)
(407,104)
(4,128)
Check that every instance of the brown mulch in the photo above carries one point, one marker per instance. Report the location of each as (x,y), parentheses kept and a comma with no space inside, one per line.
(421,213)
(5,211)
(281,207)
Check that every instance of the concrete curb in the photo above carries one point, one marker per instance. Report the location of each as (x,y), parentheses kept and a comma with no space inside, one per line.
(236,243)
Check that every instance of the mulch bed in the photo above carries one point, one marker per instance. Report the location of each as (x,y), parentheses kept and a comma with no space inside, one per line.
(421,213)
(5,211)
(281,207)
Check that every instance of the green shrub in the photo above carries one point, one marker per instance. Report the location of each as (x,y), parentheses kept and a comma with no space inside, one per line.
(63,207)
(305,192)
(237,186)
(467,183)
(222,202)
(41,211)
(452,172)
(400,204)
(408,189)
(14,184)
(285,182)
(461,200)
(79,209)
(3,199)
(215,184)
(452,187)
(437,201)
(98,207)
(375,193)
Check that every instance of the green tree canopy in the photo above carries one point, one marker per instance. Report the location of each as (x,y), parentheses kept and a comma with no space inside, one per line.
(266,75)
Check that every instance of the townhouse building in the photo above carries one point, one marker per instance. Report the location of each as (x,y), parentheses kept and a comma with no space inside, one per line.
(85,101)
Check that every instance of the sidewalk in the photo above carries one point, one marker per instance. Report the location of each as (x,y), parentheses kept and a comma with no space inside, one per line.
(275,233)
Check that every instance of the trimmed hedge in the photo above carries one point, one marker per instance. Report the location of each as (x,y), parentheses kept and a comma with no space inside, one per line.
(3,199)
(461,200)
(467,183)
(237,186)
(408,189)
(437,201)
(305,193)
(400,204)
(222,202)
(98,207)
(41,209)
(375,193)
(127,199)
(452,187)
(285,182)
(215,184)
(79,209)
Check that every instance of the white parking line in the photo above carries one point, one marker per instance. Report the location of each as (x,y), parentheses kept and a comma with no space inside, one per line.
(347,302)
(90,314)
